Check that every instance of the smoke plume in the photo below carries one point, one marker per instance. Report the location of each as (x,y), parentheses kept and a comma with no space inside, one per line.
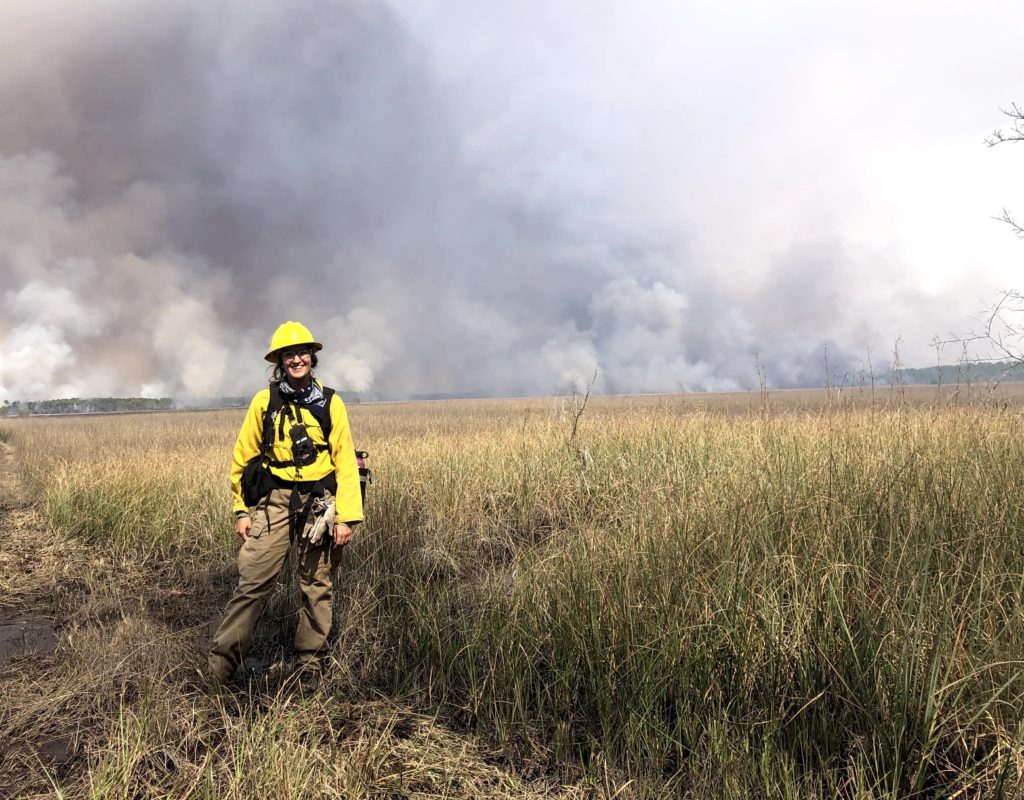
(446,210)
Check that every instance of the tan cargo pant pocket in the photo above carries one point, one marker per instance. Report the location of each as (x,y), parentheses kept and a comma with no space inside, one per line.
(260,518)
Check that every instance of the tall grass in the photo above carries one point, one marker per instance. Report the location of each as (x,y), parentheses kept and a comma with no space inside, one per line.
(820,604)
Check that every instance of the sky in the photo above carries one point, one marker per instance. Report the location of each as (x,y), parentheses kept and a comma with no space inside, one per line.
(504,197)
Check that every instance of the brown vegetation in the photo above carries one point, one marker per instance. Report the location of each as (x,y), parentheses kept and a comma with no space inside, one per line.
(812,595)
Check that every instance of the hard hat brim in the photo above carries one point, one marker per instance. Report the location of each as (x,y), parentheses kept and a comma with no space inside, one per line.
(316,347)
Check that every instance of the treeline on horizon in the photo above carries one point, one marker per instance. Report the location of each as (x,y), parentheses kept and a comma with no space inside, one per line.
(110,405)
(114,405)
(964,373)
(946,374)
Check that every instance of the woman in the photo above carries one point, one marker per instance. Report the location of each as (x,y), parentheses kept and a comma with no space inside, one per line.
(296,441)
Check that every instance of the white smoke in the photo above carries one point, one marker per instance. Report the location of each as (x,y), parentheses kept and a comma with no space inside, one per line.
(362,343)
(571,360)
(85,315)
(502,197)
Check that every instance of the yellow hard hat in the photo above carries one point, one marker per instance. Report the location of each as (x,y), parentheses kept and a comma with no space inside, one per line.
(291,334)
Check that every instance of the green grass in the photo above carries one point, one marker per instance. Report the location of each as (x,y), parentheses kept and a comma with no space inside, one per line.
(798,605)
(833,603)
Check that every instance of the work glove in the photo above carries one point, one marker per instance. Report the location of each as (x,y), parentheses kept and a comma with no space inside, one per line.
(323,515)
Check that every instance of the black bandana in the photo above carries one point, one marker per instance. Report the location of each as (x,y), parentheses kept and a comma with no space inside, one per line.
(312,395)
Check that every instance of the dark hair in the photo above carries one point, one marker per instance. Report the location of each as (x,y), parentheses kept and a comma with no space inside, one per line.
(280,374)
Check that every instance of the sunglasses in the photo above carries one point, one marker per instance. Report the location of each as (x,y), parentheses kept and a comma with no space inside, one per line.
(296,354)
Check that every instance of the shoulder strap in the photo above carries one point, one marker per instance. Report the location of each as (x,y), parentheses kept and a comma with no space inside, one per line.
(277,403)
(325,424)
(274,404)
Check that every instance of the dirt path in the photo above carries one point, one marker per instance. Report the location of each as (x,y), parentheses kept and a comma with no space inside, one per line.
(62,605)
(32,575)
(52,590)
(26,559)
(91,646)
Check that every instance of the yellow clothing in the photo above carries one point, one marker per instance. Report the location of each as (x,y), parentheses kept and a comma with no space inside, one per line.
(339,457)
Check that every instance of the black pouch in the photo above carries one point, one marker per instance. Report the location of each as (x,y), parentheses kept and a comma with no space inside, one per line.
(256,481)
(304,452)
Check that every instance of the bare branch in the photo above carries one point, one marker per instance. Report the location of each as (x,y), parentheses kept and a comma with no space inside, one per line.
(1009,220)
(1014,133)
(1002,327)
(1001,331)
(581,408)
(581,453)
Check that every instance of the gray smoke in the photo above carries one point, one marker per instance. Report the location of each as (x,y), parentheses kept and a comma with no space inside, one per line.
(176,179)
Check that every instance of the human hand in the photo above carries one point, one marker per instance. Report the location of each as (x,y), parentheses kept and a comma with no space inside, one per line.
(242,527)
(342,533)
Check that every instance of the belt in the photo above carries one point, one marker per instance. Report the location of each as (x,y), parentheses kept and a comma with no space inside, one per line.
(326,482)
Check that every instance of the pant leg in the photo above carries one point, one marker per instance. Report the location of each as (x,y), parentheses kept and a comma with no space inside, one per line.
(260,560)
(317,565)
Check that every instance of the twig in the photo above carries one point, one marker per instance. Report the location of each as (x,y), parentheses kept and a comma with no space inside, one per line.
(583,456)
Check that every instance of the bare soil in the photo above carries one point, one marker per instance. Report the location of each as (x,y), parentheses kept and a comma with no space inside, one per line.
(34,583)
(83,634)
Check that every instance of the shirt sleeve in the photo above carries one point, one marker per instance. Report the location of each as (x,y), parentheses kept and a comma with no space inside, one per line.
(348,501)
(247,446)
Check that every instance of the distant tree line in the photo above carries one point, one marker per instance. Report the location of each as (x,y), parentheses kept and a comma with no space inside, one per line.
(973,372)
(89,405)
(968,372)
(108,405)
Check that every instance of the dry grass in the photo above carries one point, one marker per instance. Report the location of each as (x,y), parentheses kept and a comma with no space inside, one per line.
(802,596)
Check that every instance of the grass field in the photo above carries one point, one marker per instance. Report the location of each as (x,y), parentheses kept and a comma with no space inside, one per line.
(789,595)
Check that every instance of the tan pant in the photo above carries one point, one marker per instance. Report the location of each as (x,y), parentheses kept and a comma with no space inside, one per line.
(260,560)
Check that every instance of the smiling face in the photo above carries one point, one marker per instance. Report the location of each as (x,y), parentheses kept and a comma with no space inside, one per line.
(297,362)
